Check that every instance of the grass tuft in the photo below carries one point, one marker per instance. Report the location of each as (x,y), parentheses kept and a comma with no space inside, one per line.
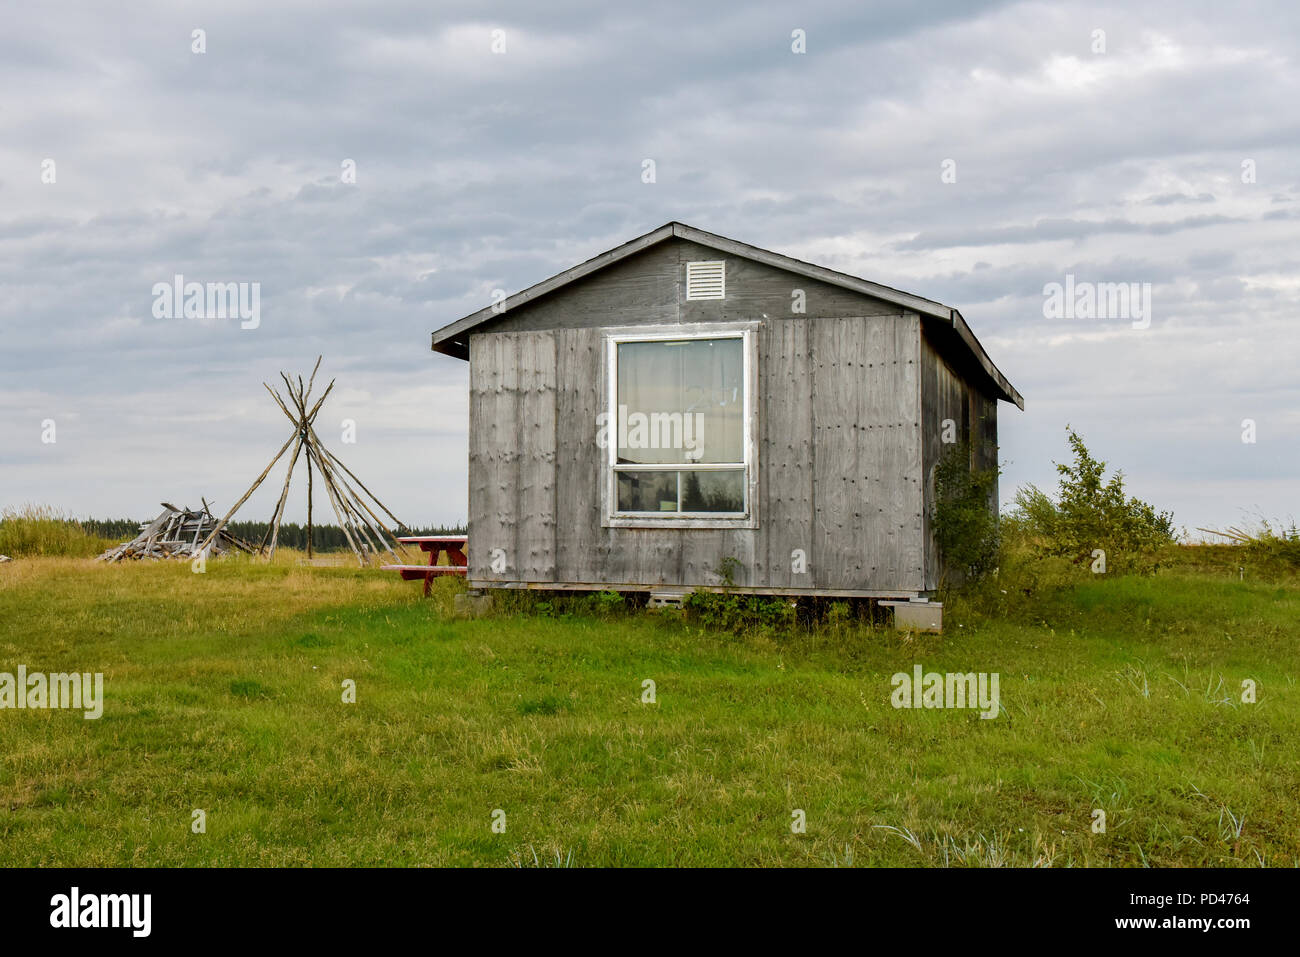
(40,530)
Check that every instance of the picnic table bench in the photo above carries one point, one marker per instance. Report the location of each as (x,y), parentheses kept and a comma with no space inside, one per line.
(434,545)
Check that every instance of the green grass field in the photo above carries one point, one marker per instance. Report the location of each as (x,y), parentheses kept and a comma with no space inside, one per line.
(224,693)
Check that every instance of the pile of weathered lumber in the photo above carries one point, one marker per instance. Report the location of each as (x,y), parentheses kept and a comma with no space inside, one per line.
(176,533)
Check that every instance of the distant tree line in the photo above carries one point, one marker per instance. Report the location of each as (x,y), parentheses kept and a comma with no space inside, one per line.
(325,538)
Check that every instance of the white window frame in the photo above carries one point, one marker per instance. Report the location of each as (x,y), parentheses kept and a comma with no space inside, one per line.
(612,518)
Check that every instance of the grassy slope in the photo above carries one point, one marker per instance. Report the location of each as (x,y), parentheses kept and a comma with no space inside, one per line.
(224,694)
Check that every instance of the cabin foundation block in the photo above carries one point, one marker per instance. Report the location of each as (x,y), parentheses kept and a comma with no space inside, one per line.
(667,598)
(916,615)
(471,604)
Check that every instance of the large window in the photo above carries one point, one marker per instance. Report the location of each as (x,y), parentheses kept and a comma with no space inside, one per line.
(678,429)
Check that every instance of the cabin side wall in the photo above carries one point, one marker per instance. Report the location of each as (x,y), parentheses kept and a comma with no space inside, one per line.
(947,396)
(839,453)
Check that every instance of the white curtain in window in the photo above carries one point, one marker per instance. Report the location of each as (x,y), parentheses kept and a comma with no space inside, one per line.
(669,381)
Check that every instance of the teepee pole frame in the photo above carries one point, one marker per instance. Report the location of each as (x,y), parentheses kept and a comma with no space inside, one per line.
(364,530)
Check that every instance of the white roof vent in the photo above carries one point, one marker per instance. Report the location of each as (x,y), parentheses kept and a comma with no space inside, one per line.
(706,280)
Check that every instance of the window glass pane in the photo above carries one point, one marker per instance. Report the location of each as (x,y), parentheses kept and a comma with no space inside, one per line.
(681,401)
(647,491)
(713,491)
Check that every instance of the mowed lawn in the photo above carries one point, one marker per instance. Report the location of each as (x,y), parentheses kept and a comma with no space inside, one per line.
(224,693)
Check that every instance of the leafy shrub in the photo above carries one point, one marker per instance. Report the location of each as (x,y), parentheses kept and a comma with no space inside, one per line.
(1090,512)
(965,519)
(608,604)
(728,611)
(727,569)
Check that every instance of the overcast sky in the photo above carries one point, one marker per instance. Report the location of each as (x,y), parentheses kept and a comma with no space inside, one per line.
(478,170)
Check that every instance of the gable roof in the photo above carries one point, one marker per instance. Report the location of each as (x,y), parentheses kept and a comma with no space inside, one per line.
(453,339)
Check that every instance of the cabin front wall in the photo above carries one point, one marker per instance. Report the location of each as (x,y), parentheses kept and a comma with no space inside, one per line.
(839,451)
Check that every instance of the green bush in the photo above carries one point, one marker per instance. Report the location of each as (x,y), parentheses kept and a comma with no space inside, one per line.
(965,519)
(608,604)
(1090,512)
(728,611)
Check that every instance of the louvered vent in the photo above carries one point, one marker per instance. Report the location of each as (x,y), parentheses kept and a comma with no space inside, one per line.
(706,280)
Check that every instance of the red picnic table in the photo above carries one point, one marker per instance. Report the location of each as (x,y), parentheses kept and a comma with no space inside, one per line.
(435,545)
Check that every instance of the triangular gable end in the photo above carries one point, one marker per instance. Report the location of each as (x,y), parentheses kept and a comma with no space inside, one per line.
(453,339)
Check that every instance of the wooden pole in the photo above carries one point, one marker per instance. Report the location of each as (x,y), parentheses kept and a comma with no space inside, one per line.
(355,518)
(266,536)
(311,381)
(244,498)
(253,488)
(374,526)
(326,460)
(378,522)
(303,395)
(332,494)
(334,458)
(362,526)
(284,495)
(272,532)
(309,507)
(336,502)
(199,531)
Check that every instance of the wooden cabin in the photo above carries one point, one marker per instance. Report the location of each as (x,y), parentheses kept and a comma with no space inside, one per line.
(686,411)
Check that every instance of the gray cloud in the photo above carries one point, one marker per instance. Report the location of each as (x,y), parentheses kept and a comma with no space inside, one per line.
(478,171)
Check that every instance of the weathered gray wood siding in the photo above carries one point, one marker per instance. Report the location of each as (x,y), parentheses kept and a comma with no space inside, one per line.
(648,289)
(945,394)
(840,461)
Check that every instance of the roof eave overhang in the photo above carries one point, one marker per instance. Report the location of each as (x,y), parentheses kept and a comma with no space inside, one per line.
(1003,387)
(453,339)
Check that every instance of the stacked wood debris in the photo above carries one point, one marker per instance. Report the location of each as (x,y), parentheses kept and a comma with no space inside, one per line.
(176,533)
